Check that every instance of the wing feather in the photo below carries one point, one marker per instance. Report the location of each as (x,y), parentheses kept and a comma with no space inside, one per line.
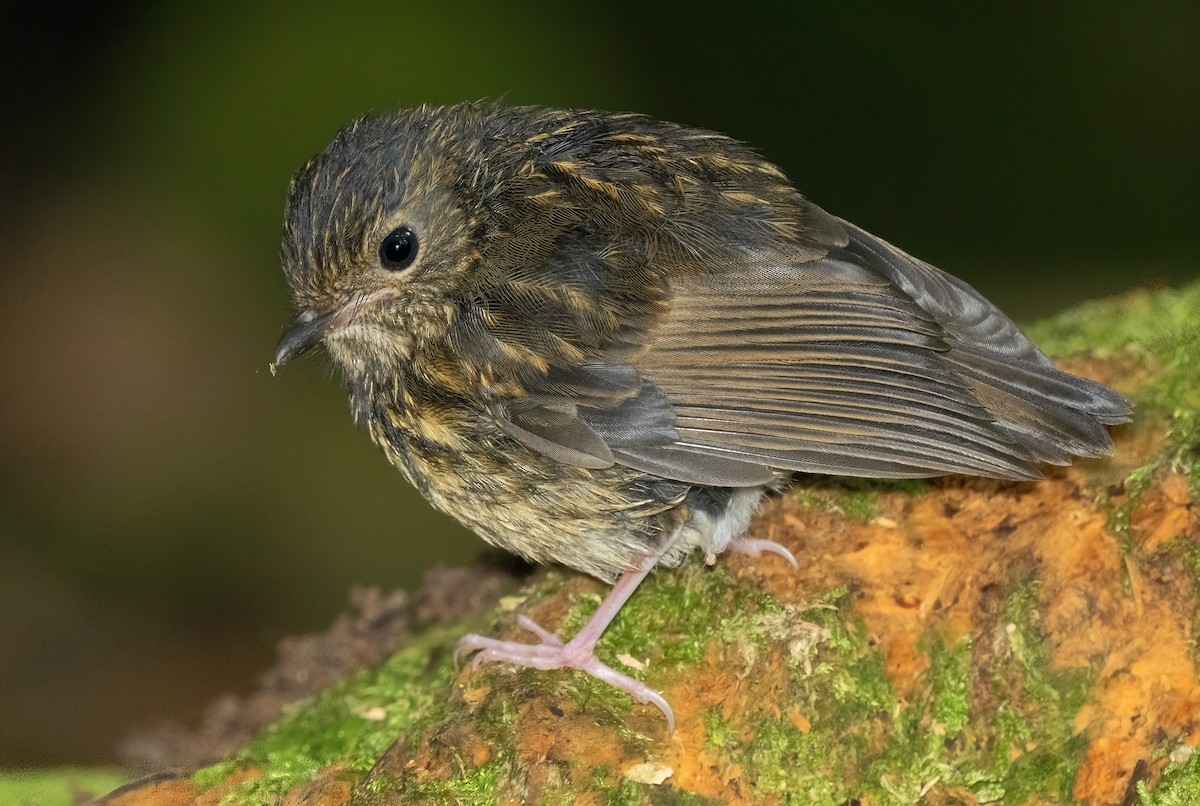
(863,361)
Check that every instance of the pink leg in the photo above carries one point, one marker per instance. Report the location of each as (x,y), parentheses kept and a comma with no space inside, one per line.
(578,653)
(756,546)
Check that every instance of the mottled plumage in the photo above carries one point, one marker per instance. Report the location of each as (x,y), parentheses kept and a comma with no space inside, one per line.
(616,329)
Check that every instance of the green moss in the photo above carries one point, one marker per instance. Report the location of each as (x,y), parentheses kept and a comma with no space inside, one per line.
(481,785)
(602,702)
(1179,786)
(950,685)
(1180,454)
(352,723)
(1183,443)
(1136,483)
(1177,386)
(855,498)
(467,784)
(1162,328)
(840,686)
(861,505)
(1173,343)
(859,741)
(1038,746)
(675,615)
(1188,553)
(930,749)
(1105,326)
(837,682)
(689,607)
(857,683)
(55,787)
(936,741)
(631,793)
(848,686)
(600,774)
(717,730)
(805,497)
(781,759)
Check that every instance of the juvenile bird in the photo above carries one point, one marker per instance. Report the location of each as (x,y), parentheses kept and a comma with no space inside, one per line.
(596,339)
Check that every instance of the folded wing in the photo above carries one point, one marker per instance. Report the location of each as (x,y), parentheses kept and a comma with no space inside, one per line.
(862,362)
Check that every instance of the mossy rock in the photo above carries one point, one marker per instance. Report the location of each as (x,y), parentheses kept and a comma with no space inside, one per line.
(952,641)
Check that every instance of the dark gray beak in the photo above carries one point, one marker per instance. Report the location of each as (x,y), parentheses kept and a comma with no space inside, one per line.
(304,333)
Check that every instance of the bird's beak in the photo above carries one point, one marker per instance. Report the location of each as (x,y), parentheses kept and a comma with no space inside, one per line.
(308,329)
(303,334)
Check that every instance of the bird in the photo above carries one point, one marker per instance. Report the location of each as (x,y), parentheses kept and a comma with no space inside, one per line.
(598,339)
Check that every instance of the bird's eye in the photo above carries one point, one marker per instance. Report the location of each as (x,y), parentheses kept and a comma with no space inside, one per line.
(399,249)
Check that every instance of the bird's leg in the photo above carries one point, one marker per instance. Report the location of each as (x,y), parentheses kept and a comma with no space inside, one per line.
(580,652)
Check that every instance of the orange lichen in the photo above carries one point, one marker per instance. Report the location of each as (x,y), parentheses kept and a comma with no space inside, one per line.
(1098,610)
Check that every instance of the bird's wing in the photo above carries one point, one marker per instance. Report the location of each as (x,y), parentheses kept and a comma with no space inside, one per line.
(862,361)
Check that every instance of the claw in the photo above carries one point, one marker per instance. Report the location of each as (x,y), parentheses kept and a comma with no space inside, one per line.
(755,547)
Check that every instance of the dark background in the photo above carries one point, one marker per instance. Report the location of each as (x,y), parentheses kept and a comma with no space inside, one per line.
(168,510)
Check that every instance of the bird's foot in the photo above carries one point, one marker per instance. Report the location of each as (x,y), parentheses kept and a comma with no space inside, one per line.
(552,653)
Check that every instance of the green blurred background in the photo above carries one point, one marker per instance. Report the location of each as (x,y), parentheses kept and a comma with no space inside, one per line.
(168,510)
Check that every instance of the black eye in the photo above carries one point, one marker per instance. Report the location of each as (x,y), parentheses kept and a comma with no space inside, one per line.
(398,249)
